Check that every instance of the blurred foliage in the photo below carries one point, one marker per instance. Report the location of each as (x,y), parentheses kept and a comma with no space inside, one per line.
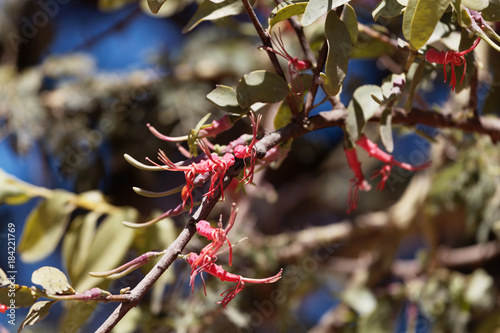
(83,121)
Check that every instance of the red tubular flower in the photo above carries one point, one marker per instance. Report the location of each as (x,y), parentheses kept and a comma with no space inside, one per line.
(249,151)
(220,273)
(358,182)
(453,58)
(373,150)
(294,64)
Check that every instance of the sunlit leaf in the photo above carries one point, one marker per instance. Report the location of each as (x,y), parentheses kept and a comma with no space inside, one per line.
(76,315)
(261,86)
(388,9)
(45,226)
(477,5)
(109,246)
(361,108)
(351,22)
(339,50)
(76,243)
(52,280)
(11,191)
(479,292)
(224,98)
(317,8)
(209,10)
(284,11)
(155,5)
(283,116)
(4,280)
(22,297)
(38,311)
(420,19)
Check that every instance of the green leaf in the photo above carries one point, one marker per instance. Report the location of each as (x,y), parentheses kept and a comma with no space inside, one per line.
(75,315)
(261,86)
(38,311)
(388,9)
(52,280)
(45,226)
(76,243)
(361,108)
(12,192)
(386,130)
(22,297)
(351,22)
(415,74)
(283,116)
(368,47)
(420,19)
(109,246)
(339,50)
(224,98)
(477,5)
(284,11)
(492,12)
(209,10)
(109,5)
(317,8)
(155,5)
(480,290)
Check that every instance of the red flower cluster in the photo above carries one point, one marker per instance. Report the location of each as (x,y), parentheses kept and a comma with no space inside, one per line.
(358,182)
(205,261)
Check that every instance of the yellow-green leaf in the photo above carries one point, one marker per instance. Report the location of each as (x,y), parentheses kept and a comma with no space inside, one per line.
(286,10)
(4,280)
(361,108)
(414,76)
(38,311)
(19,296)
(75,315)
(52,280)
(224,98)
(351,22)
(261,86)
(108,5)
(386,130)
(45,226)
(76,243)
(339,50)
(109,246)
(420,19)
(388,9)
(317,8)
(209,10)
(477,5)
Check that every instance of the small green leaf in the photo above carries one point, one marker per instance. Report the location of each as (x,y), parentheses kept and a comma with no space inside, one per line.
(283,116)
(388,9)
(76,243)
(261,86)
(45,226)
(284,11)
(155,5)
(386,130)
(361,108)
(12,192)
(110,244)
(224,98)
(351,22)
(339,50)
(22,297)
(317,8)
(420,19)
(52,280)
(38,311)
(477,5)
(208,11)
(76,315)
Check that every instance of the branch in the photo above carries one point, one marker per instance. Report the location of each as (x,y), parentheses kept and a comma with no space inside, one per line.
(133,298)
